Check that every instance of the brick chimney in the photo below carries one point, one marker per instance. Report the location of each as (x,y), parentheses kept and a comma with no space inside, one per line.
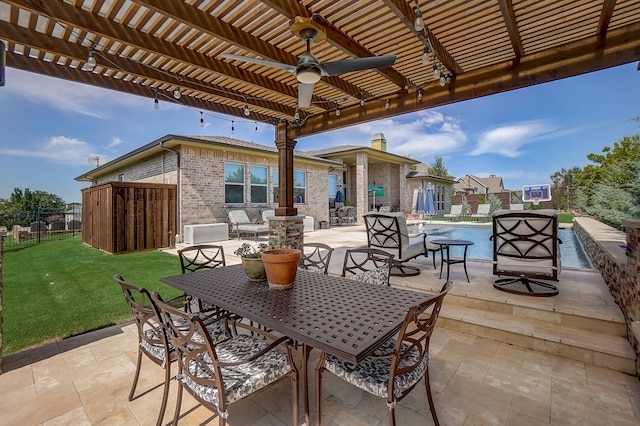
(379,142)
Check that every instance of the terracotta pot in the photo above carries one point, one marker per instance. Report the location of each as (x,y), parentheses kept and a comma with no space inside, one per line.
(254,268)
(281,266)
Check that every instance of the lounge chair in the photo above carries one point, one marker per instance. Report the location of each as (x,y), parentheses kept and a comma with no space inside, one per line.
(526,247)
(483,211)
(240,224)
(456,212)
(388,231)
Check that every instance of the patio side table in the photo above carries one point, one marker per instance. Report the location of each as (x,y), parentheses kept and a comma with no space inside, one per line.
(445,244)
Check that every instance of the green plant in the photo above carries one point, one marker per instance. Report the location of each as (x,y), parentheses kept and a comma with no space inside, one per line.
(248,251)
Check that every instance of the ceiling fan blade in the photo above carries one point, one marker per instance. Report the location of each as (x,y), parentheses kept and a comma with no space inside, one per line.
(348,65)
(286,67)
(305,92)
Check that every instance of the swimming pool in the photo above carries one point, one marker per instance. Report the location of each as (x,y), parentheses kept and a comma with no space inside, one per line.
(571,252)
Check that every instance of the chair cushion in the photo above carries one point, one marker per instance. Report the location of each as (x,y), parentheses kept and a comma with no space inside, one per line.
(214,327)
(379,276)
(372,374)
(241,380)
(253,228)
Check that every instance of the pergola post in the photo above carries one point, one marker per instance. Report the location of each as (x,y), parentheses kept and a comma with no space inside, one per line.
(286,229)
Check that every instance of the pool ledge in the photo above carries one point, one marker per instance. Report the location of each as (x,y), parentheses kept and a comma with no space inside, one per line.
(615,254)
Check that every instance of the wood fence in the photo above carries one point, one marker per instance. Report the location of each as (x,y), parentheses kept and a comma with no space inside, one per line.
(124,217)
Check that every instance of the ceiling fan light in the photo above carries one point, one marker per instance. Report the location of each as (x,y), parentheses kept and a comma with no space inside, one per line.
(308,76)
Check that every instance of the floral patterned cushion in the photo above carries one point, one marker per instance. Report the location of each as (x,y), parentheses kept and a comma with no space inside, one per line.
(214,327)
(244,379)
(379,276)
(372,374)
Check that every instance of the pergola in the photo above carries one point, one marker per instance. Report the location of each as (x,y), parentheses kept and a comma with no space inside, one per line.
(467,49)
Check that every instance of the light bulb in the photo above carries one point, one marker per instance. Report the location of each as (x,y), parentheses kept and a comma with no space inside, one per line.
(436,72)
(418,25)
(419,95)
(176,92)
(232,128)
(388,104)
(246,110)
(442,80)
(256,129)
(156,103)
(448,78)
(201,121)
(337,112)
(361,102)
(296,116)
(425,56)
(91,61)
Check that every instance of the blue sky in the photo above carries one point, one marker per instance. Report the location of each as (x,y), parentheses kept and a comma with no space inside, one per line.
(51,127)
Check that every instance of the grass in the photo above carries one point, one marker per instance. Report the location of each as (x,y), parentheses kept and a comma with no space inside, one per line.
(64,288)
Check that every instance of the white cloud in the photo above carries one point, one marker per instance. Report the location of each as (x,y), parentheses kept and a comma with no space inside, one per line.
(115,141)
(58,149)
(69,96)
(508,140)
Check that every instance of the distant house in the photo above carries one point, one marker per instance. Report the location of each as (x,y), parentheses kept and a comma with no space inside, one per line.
(214,174)
(474,190)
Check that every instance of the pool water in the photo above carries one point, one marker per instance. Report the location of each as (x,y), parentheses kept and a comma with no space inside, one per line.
(571,252)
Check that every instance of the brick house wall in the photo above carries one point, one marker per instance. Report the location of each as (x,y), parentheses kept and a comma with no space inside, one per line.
(202,189)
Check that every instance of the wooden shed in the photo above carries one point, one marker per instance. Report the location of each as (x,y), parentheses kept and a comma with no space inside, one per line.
(124,217)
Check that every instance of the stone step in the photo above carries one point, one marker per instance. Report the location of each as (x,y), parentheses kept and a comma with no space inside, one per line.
(593,347)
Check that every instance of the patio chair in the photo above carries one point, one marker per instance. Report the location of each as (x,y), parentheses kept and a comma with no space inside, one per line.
(219,373)
(368,265)
(316,257)
(388,232)
(396,367)
(347,215)
(152,342)
(266,215)
(198,257)
(526,248)
(483,211)
(240,224)
(456,212)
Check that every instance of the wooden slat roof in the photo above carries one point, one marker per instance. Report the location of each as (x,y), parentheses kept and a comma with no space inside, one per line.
(150,47)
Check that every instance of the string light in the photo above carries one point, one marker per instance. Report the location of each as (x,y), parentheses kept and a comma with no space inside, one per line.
(296,116)
(448,78)
(176,92)
(419,95)
(425,56)
(156,103)
(436,71)
(233,129)
(337,110)
(388,104)
(246,110)
(362,102)
(442,80)
(201,120)
(418,25)
(91,61)
(256,129)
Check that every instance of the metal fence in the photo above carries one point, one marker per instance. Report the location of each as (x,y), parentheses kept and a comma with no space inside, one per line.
(34,227)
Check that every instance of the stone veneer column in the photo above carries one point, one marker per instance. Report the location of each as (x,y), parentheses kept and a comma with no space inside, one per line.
(286,232)
(362,182)
(632,294)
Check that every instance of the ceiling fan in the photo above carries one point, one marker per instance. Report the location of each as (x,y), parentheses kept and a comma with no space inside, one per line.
(308,70)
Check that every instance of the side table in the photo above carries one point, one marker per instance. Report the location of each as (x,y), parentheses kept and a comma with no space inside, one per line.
(444,246)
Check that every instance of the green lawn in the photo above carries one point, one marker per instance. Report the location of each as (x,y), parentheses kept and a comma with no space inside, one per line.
(62,288)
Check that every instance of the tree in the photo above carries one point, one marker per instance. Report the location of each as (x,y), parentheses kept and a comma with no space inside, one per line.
(564,188)
(22,204)
(437,168)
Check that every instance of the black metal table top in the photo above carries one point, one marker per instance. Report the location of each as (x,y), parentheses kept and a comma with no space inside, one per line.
(446,242)
(343,317)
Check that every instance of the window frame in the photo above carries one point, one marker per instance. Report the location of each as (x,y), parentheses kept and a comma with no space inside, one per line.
(230,183)
(253,185)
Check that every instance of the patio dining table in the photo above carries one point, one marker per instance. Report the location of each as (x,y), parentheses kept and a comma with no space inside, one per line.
(343,317)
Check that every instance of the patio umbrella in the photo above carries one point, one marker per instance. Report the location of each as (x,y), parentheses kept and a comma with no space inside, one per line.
(420,202)
(429,202)
(339,198)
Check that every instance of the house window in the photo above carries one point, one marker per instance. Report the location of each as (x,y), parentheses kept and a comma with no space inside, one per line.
(274,173)
(299,186)
(233,183)
(259,184)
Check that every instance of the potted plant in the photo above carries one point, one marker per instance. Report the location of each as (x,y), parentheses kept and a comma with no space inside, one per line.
(281,267)
(252,260)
